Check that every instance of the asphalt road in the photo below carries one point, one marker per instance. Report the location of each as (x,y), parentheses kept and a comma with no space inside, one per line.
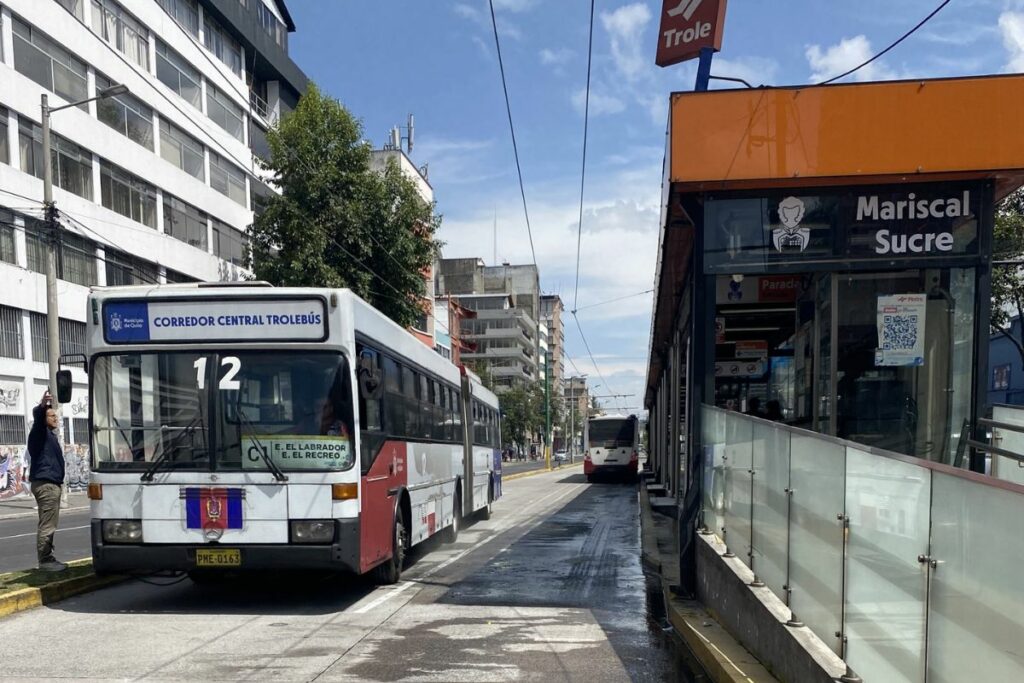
(18,537)
(550,588)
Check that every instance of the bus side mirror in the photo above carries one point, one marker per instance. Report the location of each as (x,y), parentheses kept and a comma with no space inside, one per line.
(63,386)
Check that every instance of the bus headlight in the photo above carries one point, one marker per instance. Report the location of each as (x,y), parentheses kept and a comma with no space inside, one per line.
(312,531)
(122,531)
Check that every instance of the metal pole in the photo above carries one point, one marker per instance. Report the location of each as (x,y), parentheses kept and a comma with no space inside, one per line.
(53,236)
(572,424)
(704,69)
(547,409)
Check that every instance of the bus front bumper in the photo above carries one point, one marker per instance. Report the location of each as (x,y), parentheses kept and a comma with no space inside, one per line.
(119,558)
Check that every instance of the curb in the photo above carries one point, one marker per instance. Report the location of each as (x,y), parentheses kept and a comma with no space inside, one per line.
(722,657)
(28,598)
(531,473)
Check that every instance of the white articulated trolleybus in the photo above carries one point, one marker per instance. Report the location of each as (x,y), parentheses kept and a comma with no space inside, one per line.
(251,427)
(611,444)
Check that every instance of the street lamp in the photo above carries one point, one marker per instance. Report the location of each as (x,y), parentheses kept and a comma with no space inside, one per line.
(52,318)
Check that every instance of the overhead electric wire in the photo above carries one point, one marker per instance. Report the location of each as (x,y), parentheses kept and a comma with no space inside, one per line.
(583,170)
(891,46)
(512,130)
(590,353)
(611,301)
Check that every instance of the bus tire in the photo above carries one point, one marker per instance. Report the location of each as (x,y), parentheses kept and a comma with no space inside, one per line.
(484,513)
(451,532)
(390,571)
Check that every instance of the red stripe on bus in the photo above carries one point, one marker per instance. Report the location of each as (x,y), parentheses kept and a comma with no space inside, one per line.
(377,507)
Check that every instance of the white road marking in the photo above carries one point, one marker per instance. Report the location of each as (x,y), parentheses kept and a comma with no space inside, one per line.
(455,558)
(32,533)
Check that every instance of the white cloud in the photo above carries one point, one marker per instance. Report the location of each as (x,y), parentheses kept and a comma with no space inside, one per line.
(557,57)
(468,12)
(1011,26)
(514,5)
(625,26)
(599,103)
(457,162)
(845,55)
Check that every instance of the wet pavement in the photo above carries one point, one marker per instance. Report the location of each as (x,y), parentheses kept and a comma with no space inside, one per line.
(550,588)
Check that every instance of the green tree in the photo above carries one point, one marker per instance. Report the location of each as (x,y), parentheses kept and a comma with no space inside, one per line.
(1008,278)
(522,414)
(336,222)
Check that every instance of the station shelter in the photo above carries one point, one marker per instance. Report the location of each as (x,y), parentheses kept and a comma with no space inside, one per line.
(824,261)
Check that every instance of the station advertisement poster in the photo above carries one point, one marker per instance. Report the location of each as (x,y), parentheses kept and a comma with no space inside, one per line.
(901,330)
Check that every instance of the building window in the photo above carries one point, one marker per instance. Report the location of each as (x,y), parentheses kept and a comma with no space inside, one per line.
(72,337)
(271,24)
(71,333)
(127,194)
(72,165)
(5,150)
(76,7)
(76,260)
(224,112)
(174,276)
(76,256)
(226,48)
(185,12)
(114,25)
(1001,377)
(11,344)
(229,244)
(12,429)
(125,114)
(81,429)
(181,149)
(48,64)
(184,222)
(123,269)
(227,178)
(178,75)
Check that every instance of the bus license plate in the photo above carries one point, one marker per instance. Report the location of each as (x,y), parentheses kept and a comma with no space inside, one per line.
(218,558)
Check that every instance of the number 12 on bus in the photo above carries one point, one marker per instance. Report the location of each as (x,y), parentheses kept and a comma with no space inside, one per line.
(247,428)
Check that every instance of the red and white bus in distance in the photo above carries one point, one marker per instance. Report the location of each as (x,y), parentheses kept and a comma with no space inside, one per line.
(611,446)
(251,427)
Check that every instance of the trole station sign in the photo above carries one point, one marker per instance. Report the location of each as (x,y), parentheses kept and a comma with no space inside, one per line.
(687,27)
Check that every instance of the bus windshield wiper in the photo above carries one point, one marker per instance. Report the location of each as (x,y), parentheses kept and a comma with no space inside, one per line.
(165,453)
(242,418)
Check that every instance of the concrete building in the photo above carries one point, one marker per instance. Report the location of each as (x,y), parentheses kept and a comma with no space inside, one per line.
(448,317)
(423,328)
(577,403)
(157,185)
(551,315)
(506,340)
(521,283)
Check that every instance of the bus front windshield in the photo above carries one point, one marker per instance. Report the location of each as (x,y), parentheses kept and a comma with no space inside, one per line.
(222,411)
(612,433)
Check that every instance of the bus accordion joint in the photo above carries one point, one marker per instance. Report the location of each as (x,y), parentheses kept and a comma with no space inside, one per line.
(347,491)
(95,491)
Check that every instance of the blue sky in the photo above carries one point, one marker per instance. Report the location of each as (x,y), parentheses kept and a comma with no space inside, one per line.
(436,59)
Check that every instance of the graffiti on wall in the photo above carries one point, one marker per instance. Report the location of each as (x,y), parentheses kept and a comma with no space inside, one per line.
(14,469)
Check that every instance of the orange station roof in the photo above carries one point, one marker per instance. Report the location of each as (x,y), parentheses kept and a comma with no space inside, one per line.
(847,134)
(844,134)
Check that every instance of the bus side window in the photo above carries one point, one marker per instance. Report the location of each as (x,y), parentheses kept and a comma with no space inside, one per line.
(394,409)
(426,409)
(370,383)
(456,404)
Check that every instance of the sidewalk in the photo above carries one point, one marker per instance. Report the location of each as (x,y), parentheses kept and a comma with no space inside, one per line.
(721,655)
(25,506)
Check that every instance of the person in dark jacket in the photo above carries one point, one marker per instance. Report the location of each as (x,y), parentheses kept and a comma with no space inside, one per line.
(46,474)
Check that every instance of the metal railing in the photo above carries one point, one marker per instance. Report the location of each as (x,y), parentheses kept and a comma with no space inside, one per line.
(908,569)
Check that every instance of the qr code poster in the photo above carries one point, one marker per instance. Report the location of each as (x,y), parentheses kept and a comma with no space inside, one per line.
(901,329)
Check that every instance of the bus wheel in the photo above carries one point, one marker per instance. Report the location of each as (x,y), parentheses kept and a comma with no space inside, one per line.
(391,571)
(484,513)
(451,533)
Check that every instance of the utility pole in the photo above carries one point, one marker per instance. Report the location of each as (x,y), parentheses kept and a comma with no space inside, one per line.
(547,407)
(52,240)
(53,234)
